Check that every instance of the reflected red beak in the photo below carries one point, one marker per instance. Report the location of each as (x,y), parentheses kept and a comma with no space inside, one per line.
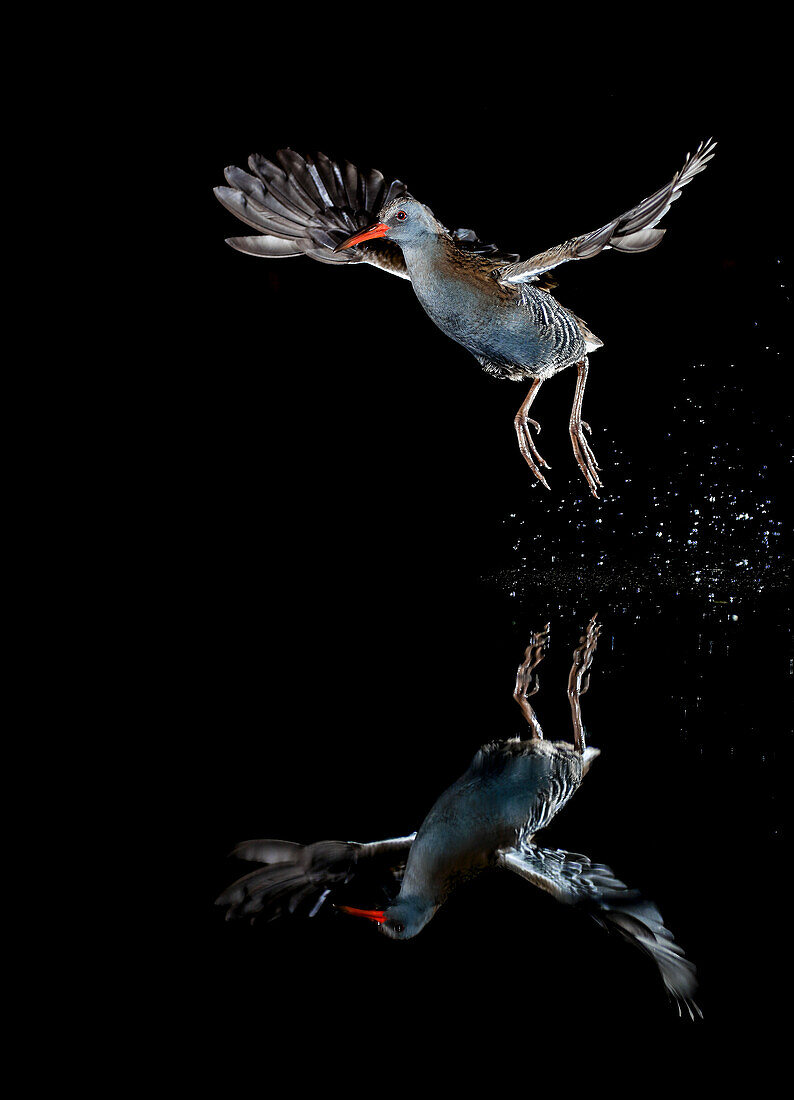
(377,915)
(376,230)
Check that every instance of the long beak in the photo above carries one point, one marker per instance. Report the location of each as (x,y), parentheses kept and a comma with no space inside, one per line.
(377,915)
(376,230)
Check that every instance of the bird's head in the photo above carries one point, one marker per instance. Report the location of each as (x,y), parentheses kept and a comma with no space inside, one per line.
(404,221)
(402,920)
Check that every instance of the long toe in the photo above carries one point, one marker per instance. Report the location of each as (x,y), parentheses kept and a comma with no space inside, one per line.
(586,459)
(526,444)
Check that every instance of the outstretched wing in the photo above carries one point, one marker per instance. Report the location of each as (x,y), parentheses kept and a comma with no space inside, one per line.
(298,878)
(574,880)
(633,231)
(307,206)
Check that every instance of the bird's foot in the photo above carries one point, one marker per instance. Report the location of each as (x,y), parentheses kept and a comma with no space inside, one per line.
(587,447)
(584,455)
(583,654)
(526,445)
(526,679)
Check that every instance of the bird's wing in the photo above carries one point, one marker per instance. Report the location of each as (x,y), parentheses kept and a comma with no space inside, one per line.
(574,880)
(633,231)
(468,241)
(307,206)
(298,878)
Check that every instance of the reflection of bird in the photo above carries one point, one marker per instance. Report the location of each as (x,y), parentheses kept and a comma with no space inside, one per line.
(488,819)
(497,306)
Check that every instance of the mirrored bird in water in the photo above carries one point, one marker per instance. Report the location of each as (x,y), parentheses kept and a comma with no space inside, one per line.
(497,306)
(487,820)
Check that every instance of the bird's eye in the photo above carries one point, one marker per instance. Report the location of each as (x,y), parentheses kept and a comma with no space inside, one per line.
(401,216)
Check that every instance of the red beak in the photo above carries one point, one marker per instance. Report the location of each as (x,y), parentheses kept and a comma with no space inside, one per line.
(377,915)
(376,230)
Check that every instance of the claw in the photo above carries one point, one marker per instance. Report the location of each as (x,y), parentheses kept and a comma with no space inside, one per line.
(526,444)
(581,448)
(586,459)
(533,457)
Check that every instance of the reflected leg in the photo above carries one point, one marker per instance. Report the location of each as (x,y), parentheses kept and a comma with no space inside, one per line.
(526,443)
(579,678)
(581,448)
(527,682)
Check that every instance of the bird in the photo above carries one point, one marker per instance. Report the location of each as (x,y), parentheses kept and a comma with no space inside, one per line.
(487,820)
(499,307)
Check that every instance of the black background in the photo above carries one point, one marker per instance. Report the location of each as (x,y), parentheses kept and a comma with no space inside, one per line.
(328,482)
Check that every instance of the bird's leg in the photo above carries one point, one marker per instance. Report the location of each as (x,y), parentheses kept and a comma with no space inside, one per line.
(581,448)
(579,678)
(526,443)
(526,680)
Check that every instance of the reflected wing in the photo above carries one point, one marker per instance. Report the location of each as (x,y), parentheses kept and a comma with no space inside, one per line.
(574,880)
(307,206)
(298,878)
(633,231)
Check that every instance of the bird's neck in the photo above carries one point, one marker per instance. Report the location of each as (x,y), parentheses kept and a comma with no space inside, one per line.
(423,258)
(419,906)
(448,283)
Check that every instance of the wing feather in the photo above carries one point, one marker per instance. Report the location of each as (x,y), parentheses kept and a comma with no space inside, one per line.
(299,878)
(310,205)
(573,879)
(633,231)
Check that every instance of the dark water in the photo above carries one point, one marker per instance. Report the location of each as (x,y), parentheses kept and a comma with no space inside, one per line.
(389,692)
(353,555)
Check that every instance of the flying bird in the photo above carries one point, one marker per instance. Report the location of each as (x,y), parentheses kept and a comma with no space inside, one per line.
(487,820)
(497,306)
